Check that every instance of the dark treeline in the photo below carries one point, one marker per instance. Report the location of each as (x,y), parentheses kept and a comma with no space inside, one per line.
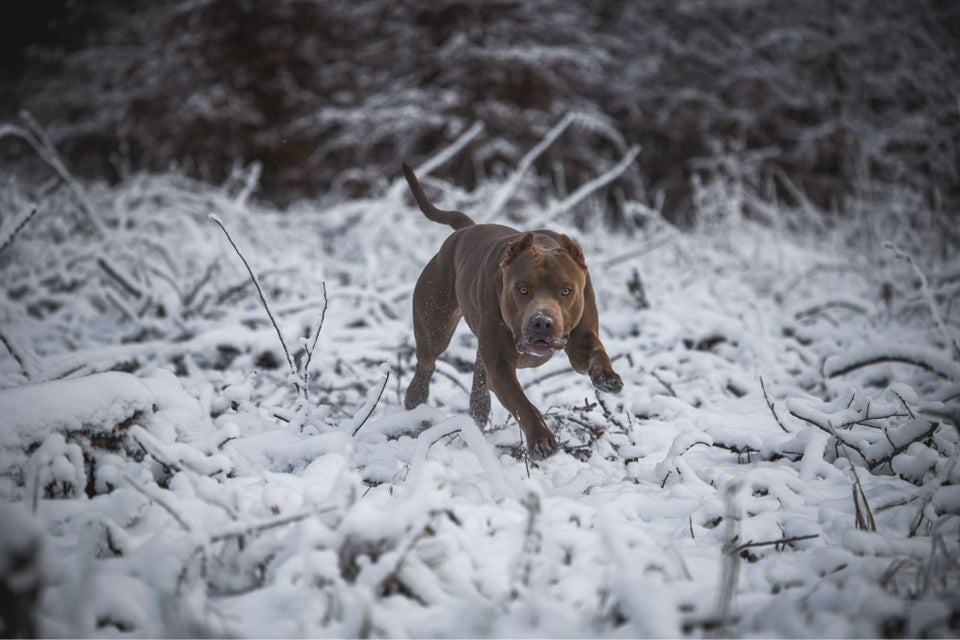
(835,100)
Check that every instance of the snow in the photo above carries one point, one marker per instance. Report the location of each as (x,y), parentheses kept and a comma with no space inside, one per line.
(183,484)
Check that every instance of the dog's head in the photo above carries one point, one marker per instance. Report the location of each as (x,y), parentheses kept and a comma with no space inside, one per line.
(541,298)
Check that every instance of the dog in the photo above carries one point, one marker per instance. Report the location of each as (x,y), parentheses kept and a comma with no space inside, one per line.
(525,295)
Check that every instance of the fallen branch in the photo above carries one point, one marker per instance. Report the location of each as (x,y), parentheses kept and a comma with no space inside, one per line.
(441,157)
(781,541)
(123,282)
(926,359)
(510,187)
(25,359)
(242,530)
(43,146)
(636,253)
(445,154)
(588,188)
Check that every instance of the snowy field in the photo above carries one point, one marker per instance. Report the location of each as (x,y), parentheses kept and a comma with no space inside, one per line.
(781,461)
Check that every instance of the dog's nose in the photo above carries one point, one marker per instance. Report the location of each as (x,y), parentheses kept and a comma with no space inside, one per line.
(541,322)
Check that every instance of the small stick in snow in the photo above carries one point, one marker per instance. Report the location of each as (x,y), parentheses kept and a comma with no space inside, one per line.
(375,403)
(293,369)
(13,351)
(781,541)
(931,301)
(770,405)
(316,336)
(258,527)
(10,231)
(122,281)
(664,384)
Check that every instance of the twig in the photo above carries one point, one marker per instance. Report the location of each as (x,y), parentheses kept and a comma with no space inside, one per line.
(829,304)
(13,351)
(781,541)
(831,431)
(41,143)
(122,281)
(664,383)
(12,229)
(316,336)
(931,302)
(293,369)
(903,447)
(157,499)
(375,403)
(212,268)
(240,531)
(770,405)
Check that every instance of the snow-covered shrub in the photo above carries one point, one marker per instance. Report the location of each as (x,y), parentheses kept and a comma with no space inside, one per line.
(770,468)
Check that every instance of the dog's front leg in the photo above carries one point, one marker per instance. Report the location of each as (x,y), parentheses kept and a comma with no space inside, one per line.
(587,355)
(502,380)
(586,352)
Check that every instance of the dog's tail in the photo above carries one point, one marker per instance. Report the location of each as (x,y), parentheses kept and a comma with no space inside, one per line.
(456,219)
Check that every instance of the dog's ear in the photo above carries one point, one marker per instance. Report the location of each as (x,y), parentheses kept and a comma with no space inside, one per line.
(574,250)
(515,248)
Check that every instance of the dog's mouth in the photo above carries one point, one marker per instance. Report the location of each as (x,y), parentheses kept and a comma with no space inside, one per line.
(540,345)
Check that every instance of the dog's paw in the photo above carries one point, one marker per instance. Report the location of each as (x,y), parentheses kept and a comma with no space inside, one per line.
(541,444)
(606,380)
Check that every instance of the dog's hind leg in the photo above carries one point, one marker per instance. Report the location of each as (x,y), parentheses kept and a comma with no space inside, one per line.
(435,317)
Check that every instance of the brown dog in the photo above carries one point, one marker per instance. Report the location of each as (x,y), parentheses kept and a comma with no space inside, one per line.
(524,295)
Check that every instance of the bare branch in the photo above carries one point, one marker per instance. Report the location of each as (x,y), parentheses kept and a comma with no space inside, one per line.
(374,404)
(316,336)
(781,541)
(770,405)
(293,369)
(10,230)
(241,530)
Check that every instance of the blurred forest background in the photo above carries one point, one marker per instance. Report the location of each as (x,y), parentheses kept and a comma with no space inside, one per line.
(824,102)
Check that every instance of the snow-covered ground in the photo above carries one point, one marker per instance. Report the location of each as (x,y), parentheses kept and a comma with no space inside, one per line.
(781,461)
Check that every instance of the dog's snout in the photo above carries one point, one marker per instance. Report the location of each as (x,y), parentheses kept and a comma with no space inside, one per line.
(541,322)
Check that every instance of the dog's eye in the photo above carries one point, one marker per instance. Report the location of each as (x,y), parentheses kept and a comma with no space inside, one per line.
(566,291)
(522,290)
